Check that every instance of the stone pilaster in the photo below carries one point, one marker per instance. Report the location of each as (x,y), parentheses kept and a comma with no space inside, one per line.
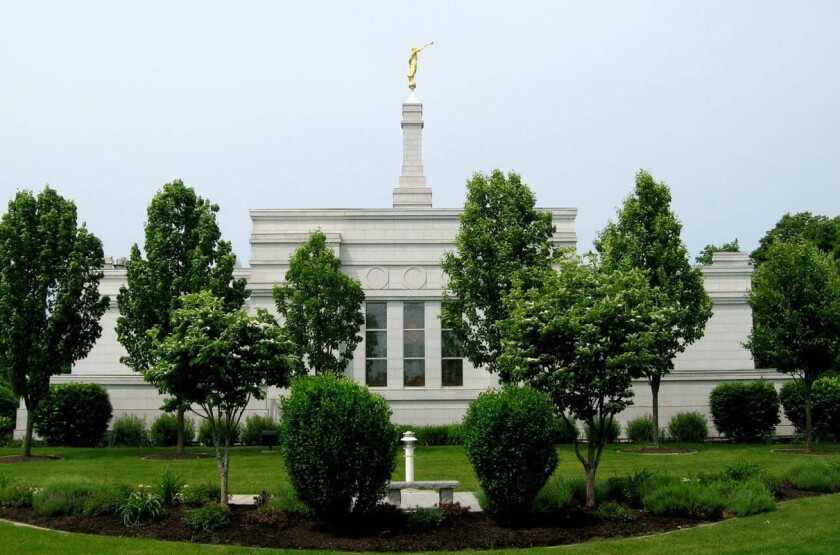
(412,191)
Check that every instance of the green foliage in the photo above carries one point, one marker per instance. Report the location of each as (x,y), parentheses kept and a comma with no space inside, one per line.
(687,499)
(501,235)
(7,426)
(581,335)
(74,415)
(16,496)
(640,430)
(707,254)
(614,512)
(105,499)
(565,430)
(507,437)
(688,427)
(287,500)
(168,488)
(822,232)
(199,494)
(825,398)
(142,504)
(749,497)
(631,487)
(742,470)
(426,519)
(50,304)
(63,496)
(429,436)
(646,237)
(205,432)
(322,307)
(555,495)
(795,299)
(814,476)
(745,411)
(254,426)
(164,431)
(338,443)
(8,402)
(208,518)
(610,432)
(129,431)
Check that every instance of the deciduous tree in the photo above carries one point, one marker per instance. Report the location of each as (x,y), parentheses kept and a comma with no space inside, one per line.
(322,307)
(647,236)
(501,233)
(822,231)
(50,304)
(706,255)
(217,360)
(795,299)
(184,254)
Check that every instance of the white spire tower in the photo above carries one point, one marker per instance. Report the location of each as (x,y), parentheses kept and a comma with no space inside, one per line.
(412,191)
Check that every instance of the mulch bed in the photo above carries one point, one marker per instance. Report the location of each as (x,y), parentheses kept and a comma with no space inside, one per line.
(388,531)
(174,457)
(13,459)
(660,451)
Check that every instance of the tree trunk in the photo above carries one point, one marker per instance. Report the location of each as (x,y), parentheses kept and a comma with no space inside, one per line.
(30,424)
(809,421)
(590,487)
(655,382)
(179,449)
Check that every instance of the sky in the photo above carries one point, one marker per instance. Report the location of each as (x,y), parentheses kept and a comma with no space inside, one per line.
(735,105)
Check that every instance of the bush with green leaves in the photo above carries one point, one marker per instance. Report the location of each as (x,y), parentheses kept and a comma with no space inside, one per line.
(507,438)
(129,431)
(688,427)
(430,436)
(689,499)
(612,511)
(74,415)
(169,487)
(205,433)
(105,499)
(565,431)
(555,495)
(640,430)
(199,494)
(8,403)
(164,431)
(251,433)
(16,496)
(613,431)
(7,427)
(816,476)
(338,444)
(745,411)
(63,496)
(749,497)
(209,518)
(631,487)
(825,406)
(142,504)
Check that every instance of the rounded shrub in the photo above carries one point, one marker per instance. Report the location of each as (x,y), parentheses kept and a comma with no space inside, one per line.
(251,433)
(745,411)
(825,406)
(613,431)
(640,430)
(74,415)
(338,443)
(508,439)
(164,430)
(688,427)
(205,433)
(565,431)
(129,431)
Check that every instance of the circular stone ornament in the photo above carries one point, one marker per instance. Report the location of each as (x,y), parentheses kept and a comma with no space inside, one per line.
(414,278)
(376,278)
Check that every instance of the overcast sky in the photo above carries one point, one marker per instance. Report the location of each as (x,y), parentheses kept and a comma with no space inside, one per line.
(735,105)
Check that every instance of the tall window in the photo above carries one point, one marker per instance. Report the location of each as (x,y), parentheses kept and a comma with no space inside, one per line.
(452,359)
(414,345)
(376,344)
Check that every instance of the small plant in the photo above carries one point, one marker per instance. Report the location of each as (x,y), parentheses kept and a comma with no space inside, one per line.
(129,431)
(742,470)
(63,496)
(140,505)
(105,499)
(262,499)
(555,495)
(6,480)
(169,487)
(612,431)
(565,431)
(631,487)
(16,496)
(164,430)
(578,489)
(426,519)
(749,498)
(197,496)
(814,476)
(688,427)
(208,518)
(689,499)
(745,411)
(251,433)
(640,430)
(287,500)
(205,433)
(614,512)
(268,515)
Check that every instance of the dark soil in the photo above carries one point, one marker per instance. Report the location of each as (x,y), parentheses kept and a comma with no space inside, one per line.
(13,459)
(174,457)
(660,451)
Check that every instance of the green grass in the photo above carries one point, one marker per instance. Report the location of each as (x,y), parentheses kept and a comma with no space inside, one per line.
(801,526)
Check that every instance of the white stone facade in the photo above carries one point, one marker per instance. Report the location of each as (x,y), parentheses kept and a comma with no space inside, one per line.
(395,253)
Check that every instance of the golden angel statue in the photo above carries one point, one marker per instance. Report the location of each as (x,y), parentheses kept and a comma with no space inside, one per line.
(412,64)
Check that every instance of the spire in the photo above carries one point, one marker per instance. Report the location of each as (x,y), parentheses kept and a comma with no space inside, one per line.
(412,191)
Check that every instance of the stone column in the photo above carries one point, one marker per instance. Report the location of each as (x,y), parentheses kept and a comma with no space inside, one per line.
(412,191)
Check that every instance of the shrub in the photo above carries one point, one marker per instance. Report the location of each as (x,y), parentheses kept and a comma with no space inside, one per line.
(742,470)
(430,436)
(7,426)
(825,406)
(205,433)
(287,500)
(338,443)
(564,431)
(63,496)
(208,518)
(614,512)
(613,431)
(688,427)
(141,505)
(129,431)
(814,476)
(745,411)
(105,499)
(74,415)
(169,487)
(689,499)
(749,498)
(8,403)
(507,435)
(578,489)
(199,495)
(555,495)
(629,488)
(640,430)
(164,431)
(251,433)
(16,496)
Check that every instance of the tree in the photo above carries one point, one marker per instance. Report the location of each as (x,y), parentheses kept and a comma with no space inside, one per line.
(50,304)
(822,231)
(708,252)
(218,360)
(647,236)
(322,307)
(184,254)
(795,300)
(581,334)
(500,233)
